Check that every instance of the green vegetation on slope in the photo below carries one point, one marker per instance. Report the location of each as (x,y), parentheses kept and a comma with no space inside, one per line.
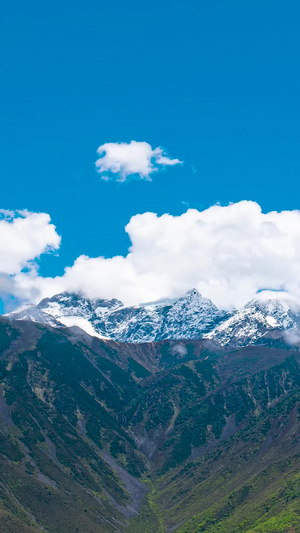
(91,440)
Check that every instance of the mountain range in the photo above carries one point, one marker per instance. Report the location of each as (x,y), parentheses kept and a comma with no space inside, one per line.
(189,317)
(186,420)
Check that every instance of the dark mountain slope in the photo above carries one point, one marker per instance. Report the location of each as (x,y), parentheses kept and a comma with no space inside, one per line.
(204,437)
(152,356)
(186,410)
(249,483)
(59,426)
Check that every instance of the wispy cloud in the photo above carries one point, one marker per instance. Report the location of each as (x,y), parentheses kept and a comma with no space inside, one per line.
(120,161)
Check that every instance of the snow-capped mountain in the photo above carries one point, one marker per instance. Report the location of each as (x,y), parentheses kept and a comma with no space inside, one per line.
(251,323)
(187,317)
(34,313)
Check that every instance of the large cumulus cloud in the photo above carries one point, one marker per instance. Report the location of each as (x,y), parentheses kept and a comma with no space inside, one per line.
(227,253)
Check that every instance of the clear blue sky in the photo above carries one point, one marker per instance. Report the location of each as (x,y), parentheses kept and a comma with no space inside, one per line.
(215,83)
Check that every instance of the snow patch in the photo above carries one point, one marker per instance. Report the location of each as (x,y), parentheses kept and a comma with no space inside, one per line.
(81,323)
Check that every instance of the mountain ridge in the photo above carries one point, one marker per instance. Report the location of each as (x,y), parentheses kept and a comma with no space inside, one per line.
(188,317)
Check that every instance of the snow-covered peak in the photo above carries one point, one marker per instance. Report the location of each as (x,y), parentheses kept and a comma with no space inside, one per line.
(32,312)
(247,325)
(76,304)
(66,304)
(277,312)
(195,302)
(193,294)
(192,297)
(190,316)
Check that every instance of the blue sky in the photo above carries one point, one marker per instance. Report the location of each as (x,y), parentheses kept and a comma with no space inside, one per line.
(214,83)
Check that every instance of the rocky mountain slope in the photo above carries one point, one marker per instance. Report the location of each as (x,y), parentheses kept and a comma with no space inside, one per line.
(176,435)
(250,324)
(188,317)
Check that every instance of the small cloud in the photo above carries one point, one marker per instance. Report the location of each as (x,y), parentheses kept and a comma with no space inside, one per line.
(131,159)
(292,337)
(179,349)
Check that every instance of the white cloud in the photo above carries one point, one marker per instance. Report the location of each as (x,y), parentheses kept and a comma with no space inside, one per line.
(227,253)
(129,159)
(24,236)
(292,337)
(179,349)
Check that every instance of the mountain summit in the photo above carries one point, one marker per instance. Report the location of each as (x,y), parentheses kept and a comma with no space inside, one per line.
(188,317)
(251,323)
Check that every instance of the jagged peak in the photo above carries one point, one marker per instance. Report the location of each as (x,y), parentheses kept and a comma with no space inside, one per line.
(62,297)
(66,296)
(194,299)
(75,297)
(188,316)
(193,293)
(191,297)
(20,309)
(273,301)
